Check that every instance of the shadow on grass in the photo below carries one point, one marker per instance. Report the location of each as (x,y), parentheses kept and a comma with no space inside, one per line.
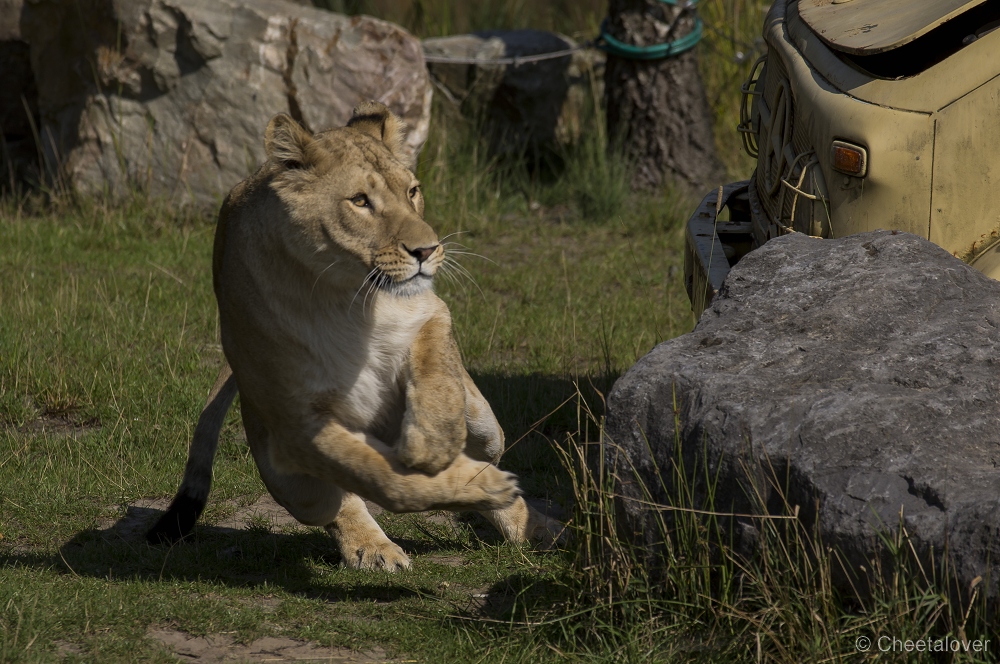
(300,561)
(533,410)
(303,563)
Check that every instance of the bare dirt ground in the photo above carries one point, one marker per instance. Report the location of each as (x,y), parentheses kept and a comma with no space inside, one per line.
(57,425)
(243,515)
(141,514)
(222,648)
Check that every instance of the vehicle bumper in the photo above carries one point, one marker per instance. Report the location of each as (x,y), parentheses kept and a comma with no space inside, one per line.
(718,234)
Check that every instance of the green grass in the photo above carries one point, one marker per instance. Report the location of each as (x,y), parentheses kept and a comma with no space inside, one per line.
(109,343)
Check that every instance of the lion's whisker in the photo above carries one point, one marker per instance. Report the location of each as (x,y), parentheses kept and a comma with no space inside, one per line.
(472,253)
(441,241)
(320,276)
(445,274)
(371,289)
(367,277)
(460,270)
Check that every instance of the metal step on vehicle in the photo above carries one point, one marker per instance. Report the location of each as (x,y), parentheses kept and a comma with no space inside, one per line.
(863,115)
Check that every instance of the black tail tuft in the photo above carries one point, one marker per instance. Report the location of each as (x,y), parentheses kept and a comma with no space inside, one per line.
(178,522)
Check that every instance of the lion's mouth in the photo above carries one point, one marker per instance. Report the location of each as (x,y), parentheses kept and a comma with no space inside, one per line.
(415,283)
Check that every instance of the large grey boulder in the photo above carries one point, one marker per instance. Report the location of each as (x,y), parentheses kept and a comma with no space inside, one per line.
(531,105)
(173,95)
(861,375)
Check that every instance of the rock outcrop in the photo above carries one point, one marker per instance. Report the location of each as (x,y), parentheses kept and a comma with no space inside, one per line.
(172,96)
(856,378)
(533,105)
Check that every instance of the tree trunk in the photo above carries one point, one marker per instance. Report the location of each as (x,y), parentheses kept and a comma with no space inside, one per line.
(657,111)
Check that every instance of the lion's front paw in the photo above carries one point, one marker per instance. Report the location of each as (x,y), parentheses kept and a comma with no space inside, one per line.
(483,486)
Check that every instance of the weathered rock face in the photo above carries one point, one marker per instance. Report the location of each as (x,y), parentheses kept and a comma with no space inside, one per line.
(864,371)
(537,105)
(174,95)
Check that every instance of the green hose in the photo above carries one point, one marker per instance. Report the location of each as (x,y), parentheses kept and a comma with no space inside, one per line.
(612,46)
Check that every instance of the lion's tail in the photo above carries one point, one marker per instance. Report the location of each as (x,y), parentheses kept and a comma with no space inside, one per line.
(193,494)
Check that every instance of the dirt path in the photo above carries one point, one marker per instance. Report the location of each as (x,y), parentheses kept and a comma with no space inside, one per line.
(245,514)
(222,648)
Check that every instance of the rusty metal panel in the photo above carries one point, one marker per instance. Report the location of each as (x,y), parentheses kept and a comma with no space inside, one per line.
(965,215)
(864,27)
(929,91)
(896,191)
(931,141)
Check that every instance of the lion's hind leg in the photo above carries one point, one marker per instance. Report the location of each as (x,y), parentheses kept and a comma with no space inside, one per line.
(319,502)
(523,523)
(193,494)
(314,502)
(363,544)
(344,515)
(519,522)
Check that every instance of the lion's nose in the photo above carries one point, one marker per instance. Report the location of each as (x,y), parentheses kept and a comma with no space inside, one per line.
(422,253)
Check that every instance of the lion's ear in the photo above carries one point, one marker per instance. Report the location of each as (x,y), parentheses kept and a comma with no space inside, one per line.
(374,119)
(285,141)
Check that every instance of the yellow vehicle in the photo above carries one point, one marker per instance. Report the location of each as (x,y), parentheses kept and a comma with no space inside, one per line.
(864,115)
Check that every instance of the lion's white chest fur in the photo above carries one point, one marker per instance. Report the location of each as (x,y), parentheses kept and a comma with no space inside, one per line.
(358,356)
(305,348)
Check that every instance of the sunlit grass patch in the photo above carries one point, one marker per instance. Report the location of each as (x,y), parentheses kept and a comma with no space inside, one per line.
(563,279)
(109,343)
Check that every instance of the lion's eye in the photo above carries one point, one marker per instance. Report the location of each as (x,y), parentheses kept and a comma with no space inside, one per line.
(414,191)
(361,201)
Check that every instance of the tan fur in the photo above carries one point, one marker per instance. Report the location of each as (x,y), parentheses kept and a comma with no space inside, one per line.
(350,380)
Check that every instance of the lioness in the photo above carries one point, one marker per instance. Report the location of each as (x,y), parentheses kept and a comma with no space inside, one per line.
(349,378)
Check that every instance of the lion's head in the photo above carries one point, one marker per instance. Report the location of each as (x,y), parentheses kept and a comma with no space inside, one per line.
(356,210)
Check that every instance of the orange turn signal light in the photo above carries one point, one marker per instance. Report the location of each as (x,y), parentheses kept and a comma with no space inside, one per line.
(850,159)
